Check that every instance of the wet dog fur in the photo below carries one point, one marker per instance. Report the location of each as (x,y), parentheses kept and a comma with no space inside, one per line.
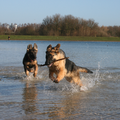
(64,68)
(29,60)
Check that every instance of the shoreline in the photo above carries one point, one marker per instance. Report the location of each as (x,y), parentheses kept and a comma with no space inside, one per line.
(60,38)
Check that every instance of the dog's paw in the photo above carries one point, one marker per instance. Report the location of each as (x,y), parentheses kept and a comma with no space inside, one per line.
(34,74)
(56,81)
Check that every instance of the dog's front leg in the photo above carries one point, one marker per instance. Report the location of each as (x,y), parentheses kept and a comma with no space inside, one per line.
(51,75)
(60,76)
(26,71)
(36,70)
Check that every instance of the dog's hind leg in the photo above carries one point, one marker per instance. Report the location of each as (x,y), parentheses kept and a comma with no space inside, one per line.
(74,78)
(77,81)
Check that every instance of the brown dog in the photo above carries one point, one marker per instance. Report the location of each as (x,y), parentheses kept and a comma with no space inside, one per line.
(29,60)
(64,68)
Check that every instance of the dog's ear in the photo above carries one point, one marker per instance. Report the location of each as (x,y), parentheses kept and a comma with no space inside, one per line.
(57,48)
(29,47)
(35,46)
(49,48)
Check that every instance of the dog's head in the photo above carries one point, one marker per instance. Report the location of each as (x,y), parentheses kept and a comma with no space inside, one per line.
(32,51)
(51,54)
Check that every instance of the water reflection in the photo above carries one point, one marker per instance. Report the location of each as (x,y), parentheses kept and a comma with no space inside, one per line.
(29,98)
(59,104)
(69,106)
(42,99)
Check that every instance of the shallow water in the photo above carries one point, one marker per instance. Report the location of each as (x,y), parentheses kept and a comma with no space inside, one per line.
(37,98)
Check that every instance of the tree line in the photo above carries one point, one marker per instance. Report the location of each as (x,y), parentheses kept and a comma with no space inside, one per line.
(58,25)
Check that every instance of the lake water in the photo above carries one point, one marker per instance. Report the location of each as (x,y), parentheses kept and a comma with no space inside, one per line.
(28,98)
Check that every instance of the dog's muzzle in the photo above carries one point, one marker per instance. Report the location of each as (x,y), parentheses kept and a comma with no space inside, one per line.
(49,60)
(49,64)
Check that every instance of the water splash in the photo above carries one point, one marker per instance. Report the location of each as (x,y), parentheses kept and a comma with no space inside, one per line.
(97,73)
(42,79)
(90,80)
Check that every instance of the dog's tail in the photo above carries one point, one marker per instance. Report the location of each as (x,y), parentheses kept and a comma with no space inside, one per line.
(82,69)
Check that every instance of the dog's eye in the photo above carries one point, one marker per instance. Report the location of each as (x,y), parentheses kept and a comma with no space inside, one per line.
(52,56)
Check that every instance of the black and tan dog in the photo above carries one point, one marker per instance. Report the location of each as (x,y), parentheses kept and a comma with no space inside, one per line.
(29,60)
(64,68)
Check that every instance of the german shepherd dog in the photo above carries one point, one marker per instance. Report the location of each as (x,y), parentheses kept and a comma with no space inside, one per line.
(64,68)
(29,60)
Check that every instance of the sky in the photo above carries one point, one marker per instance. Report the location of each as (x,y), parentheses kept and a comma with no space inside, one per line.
(103,12)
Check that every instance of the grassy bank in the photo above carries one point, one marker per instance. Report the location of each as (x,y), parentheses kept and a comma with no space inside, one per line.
(64,38)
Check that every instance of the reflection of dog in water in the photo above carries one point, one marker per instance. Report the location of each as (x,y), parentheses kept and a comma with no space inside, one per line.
(29,60)
(64,68)
(29,98)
